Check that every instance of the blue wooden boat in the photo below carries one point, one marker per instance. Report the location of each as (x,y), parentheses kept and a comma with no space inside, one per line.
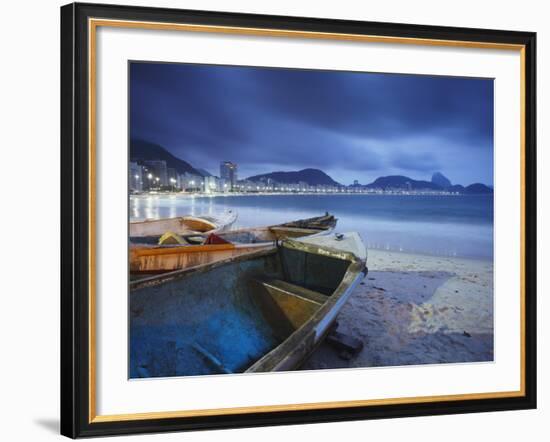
(260,312)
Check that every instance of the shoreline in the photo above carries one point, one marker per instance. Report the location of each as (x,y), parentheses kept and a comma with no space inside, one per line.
(412,254)
(232,194)
(401,252)
(449,236)
(416,309)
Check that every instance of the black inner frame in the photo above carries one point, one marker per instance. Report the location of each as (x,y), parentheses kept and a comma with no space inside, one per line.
(75,220)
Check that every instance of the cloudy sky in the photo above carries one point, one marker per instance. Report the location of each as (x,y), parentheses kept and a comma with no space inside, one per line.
(351,125)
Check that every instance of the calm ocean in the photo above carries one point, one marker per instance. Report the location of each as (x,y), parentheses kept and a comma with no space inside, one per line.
(459,226)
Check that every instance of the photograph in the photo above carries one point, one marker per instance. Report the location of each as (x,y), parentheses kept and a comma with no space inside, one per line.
(286,219)
(280,219)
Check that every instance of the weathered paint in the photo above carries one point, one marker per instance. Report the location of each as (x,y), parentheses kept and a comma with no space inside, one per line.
(223,317)
(296,309)
(163,259)
(169,257)
(211,309)
(181,225)
(311,270)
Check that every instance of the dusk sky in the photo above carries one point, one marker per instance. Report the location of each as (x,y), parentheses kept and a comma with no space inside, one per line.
(350,125)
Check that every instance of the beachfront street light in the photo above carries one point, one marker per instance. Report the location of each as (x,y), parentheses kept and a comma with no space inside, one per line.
(150,177)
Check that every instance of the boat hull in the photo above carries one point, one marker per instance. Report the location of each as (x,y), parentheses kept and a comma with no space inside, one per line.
(152,260)
(148,259)
(265,311)
(182,225)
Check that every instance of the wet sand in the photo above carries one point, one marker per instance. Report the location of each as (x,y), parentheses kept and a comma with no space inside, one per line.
(416,309)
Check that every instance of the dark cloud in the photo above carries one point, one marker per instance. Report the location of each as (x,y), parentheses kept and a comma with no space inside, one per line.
(266,119)
(422,162)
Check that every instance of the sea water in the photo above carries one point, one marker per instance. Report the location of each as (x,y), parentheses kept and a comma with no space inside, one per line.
(442,225)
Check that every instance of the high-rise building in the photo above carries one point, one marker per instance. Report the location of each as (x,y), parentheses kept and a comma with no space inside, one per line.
(135,177)
(171,173)
(172,177)
(180,181)
(191,182)
(228,173)
(210,184)
(156,173)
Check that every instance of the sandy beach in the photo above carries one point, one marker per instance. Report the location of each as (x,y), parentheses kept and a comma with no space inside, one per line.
(416,309)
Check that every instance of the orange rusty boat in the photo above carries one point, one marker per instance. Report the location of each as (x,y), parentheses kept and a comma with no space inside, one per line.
(198,249)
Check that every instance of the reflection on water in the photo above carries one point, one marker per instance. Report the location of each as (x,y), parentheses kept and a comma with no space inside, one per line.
(439,225)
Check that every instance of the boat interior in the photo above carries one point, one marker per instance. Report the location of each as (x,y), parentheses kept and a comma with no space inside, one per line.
(202,224)
(253,236)
(196,231)
(244,236)
(184,224)
(225,317)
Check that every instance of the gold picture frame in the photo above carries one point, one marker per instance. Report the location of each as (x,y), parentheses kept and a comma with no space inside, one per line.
(79,54)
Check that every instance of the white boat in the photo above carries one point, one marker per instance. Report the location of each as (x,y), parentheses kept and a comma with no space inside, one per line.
(183,225)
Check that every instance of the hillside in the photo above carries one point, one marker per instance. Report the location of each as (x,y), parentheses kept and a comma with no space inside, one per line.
(441,180)
(477,189)
(141,150)
(402,182)
(312,177)
(405,183)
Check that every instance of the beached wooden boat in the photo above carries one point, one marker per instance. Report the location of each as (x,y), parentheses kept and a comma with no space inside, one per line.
(182,225)
(208,248)
(303,227)
(260,312)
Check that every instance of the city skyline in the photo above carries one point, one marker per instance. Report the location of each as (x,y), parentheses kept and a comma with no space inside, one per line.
(353,126)
(155,175)
(233,178)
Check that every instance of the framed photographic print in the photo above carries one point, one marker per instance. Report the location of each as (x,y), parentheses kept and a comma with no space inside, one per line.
(273,220)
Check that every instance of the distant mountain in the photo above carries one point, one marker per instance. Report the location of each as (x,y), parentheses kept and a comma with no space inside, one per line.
(312,177)
(405,183)
(402,182)
(455,188)
(477,189)
(441,180)
(141,150)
